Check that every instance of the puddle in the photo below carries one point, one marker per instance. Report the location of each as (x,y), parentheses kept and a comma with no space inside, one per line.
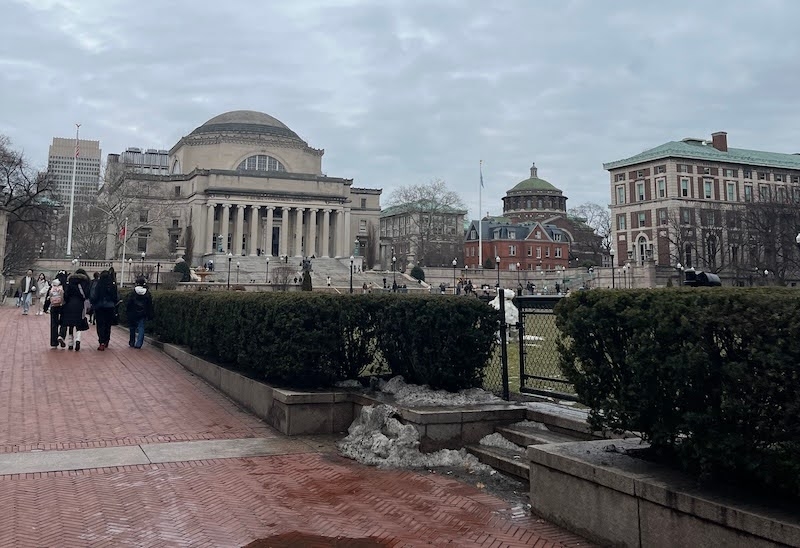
(295,540)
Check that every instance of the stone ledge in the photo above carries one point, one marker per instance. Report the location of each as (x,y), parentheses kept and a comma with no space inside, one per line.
(624,501)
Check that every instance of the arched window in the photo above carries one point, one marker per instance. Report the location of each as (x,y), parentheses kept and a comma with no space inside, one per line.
(261,162)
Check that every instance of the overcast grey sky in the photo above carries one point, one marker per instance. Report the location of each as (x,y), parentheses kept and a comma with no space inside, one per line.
(404,91)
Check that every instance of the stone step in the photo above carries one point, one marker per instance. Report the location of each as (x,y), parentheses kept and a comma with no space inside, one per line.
(561,419)
(530,435)
(505,460)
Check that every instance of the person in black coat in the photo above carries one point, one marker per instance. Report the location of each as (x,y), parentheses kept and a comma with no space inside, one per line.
(104,302)
(138,309)
(53,302)
(73,311)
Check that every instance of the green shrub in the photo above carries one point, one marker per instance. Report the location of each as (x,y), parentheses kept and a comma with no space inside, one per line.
(709,377)
(315,339)
(417,273)
(183,268)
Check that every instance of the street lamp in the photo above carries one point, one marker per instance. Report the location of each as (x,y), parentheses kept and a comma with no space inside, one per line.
(679,269)
(455,262)
(230,258)
(613,266)
(130,268)
(356,246)
(497,265)
(351,274)
(519,281)
(625,269)
(158,272)
(266,277)
(394,273)
(143,254)
(237,271)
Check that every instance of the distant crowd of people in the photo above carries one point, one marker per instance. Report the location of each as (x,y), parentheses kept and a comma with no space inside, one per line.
(74,301)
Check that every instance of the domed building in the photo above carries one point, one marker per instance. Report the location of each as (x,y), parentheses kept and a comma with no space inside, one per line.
(244,183)
(533,199)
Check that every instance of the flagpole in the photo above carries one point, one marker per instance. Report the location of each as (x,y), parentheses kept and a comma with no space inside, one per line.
(124,241)
(72,190)
(480,218)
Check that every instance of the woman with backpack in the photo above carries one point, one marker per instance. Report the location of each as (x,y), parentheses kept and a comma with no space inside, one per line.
(104,301)
(73,311)
(138,309)
(53,302)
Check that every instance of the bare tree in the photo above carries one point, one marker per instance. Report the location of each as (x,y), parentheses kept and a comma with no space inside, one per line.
(371,249)
(769,229)
(89,233)
(598,218)
(436,216)
(26,194)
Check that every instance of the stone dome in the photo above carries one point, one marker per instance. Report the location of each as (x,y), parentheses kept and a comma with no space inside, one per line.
(246,121)
(534,183)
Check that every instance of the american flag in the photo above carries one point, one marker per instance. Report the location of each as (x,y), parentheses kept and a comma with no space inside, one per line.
(77,148)
(122,234)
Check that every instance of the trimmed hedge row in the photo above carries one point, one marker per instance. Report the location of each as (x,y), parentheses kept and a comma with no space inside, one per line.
(315,339)
(710,377)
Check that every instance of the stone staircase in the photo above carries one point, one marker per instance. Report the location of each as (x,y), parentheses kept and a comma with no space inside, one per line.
(545,423)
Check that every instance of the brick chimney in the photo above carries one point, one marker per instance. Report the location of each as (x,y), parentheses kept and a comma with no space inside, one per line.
(719,140)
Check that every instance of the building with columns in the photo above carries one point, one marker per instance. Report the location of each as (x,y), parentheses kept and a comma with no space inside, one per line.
(248,185)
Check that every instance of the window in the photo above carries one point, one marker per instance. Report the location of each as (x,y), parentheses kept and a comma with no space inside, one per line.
(710,219)
(686,216)
(796,194)
(619,177)
(640,173)
(640,191)
(620,194)
(175,223)
(530,251)
(662,187)
(684,168)
(547,251)
(748,193)
(512,250)
(706,171)
(796,179)
(362,225)
(662,216)
(763,193)
(538,252)
(685,187)
(538,235)
(762,176)
(642,218)
(731,172)
(558,253)
(261,162)
(621,222)
(734,254)
(708,191)
(782,194)
(748,174)
(661,169)
(141,244)
(143,216)
(177,190)
(512,234)
(778,178)
(731,191)
(363,203)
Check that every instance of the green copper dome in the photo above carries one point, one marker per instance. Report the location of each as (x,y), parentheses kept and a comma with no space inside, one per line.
(534,183)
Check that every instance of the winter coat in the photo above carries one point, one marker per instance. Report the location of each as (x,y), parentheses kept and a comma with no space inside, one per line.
(72,312)
(103,294)
(139,305)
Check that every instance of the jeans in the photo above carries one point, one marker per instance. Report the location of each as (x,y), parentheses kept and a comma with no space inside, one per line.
(25,301)
(103,317)
(137,334)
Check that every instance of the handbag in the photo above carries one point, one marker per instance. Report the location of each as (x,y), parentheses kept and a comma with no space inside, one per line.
(84,325)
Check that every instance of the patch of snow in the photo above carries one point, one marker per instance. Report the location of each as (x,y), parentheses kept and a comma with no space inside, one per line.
(532,338)
(349,383)
(531,425)
(497,440)
(377,438)
(413,395)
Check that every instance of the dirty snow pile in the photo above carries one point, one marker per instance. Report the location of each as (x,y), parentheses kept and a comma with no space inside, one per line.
(349,383)
(377,438)
(497,440)
(411,395)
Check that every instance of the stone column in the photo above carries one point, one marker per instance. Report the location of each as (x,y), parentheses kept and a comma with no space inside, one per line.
(347,234)
(268,230)
(326,230)
(254,220)
(284,250)
(341,248)
(223,227)
(238,231)
(312,232)
(298,232)
(210,229)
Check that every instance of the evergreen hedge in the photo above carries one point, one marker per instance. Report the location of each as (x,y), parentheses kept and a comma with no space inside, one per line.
(710,377)
(303,340)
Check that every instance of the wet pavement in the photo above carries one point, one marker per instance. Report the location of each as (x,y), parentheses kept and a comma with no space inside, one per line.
(174,483)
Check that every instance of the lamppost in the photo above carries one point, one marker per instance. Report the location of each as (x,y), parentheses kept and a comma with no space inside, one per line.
(455,262)
(230,258)
(797,240)
(394,271)
(351,274)
(356,247)
(519,280)
(143,254)
(266,277)
(591,276)
(130,268)
(613,267)
(625,269)
(237,271)
(158,272)
(497,265)
(766,277)
(679,269)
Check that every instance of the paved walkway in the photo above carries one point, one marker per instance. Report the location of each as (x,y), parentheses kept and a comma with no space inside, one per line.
(126,448)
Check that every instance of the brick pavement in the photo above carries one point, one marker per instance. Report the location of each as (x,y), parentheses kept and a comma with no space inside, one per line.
(55,399)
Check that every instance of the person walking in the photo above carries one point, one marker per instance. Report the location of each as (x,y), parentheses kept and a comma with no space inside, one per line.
(92,285)
(27,287)
(138,309)
(73,311)
(43,287)
(53,303)
(103,297)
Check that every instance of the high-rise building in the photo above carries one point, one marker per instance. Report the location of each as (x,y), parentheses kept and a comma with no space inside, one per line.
(133,160)
(87,175)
